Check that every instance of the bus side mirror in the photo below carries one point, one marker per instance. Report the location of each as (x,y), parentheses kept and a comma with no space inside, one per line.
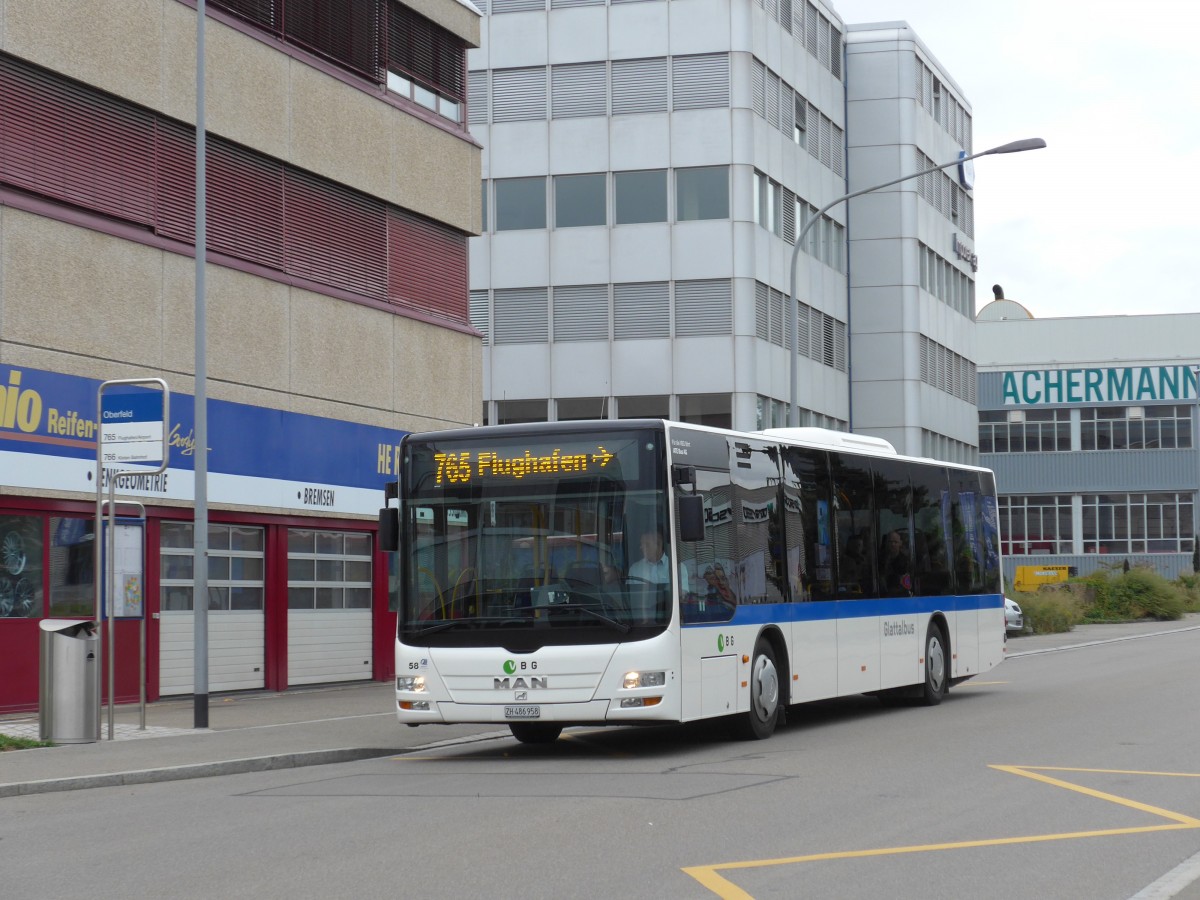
(691,517)
(389,529)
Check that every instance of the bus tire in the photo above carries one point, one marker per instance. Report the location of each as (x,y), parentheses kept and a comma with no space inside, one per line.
(535,732)
(937,674)
(760,721)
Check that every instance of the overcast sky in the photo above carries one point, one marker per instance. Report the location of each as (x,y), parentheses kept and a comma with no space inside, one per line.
(1106,219)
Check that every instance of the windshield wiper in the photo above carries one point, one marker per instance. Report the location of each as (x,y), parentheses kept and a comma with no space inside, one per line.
(454,623)
(621,626)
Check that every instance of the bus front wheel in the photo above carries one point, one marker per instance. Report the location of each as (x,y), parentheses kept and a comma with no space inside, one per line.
(535,732)
(936,667)
(763,716)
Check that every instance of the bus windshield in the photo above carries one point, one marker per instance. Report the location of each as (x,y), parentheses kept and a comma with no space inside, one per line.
(530,540)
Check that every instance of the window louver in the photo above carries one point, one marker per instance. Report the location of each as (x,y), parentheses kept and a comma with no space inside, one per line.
(639,85)
(641,311)
(336,236)
(426,52)
(519,316)
(518,94)
(480,314)
(579,90)
(74,144)
(700,82)
(512,6)
(703,307)
(477,97)
(762,311)
(427,265)
(344,31)
(581,313)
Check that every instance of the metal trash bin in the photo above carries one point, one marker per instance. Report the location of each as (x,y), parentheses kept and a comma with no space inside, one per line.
(67,685)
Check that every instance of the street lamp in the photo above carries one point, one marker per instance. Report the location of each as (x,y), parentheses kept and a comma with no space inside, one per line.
(1196,496)
(1014,147)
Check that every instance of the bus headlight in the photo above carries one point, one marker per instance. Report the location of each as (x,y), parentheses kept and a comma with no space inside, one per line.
(644,679)
(410,683)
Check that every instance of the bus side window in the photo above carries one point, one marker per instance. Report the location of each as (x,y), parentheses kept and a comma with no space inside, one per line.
(931,566)
(704,590)
(809,532)
(853,497)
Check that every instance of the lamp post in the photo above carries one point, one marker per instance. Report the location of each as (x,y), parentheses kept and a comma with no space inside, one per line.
(1013,147)
(1196,495)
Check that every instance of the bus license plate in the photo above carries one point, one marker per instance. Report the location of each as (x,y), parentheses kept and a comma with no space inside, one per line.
(522,712)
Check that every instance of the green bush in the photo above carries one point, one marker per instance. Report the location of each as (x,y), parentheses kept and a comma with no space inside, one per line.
(1051,611)
(1140,593)
(1189,587)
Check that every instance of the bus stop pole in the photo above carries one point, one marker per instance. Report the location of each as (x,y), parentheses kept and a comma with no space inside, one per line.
(111,579)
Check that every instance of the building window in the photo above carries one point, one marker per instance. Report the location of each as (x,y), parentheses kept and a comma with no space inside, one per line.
(72,583)
(579,200)
(578,409)
(768,207)
(1024,431)
(520,203)
(235,567)
(443,106)
(714,410)
(643,407)
(702,193)
(772,413)
(515,412)
(640,196)
(328,569)
(1136,428)
(21,567)
(1035,524)
(1137,523)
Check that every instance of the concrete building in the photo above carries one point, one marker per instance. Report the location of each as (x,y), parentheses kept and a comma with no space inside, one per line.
(647,168)
(342,187)
(912,257)
(1091,427)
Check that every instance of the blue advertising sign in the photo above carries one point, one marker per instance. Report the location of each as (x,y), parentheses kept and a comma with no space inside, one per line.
(256,455)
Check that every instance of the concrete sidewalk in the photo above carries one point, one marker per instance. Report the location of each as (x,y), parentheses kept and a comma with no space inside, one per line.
(247,732)
(258,731)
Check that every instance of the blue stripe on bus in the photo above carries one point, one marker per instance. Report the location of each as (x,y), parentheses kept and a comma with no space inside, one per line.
(823,610)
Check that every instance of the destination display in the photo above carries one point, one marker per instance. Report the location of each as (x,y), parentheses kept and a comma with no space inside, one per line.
(440,465)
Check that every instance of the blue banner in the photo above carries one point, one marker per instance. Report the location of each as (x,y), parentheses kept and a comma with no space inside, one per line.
(47,414)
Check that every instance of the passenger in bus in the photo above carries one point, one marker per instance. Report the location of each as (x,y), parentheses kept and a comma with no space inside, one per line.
(717,584)
(855,572)
(895,566)
(654,566)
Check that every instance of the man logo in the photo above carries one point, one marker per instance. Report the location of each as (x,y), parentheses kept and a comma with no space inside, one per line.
(520,684)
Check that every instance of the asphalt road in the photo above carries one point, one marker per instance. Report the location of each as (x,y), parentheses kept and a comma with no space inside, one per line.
(1071,774)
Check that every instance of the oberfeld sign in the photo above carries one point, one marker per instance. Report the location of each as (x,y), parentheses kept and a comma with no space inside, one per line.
(1128,384)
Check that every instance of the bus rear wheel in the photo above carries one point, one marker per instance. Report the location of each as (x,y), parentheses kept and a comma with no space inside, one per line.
(535,732)
(763,716)
(936,667)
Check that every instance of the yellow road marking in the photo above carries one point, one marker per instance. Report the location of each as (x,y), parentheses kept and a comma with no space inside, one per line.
(1111,798)
(710,876)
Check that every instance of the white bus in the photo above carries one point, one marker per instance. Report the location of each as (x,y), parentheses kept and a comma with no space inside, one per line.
(794,565)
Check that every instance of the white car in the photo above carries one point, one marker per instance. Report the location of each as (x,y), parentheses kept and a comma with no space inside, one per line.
(1014,622)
